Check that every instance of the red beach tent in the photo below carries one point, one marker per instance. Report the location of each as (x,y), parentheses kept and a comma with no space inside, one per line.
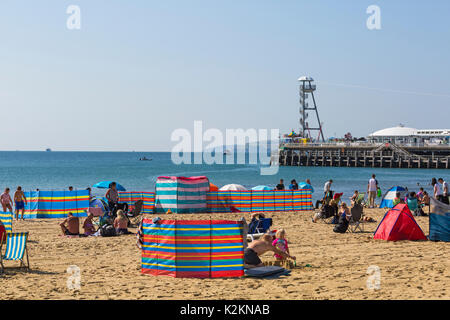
(399,224)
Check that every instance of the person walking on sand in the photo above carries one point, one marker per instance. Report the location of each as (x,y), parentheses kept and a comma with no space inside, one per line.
(20,201)
(372,188)
(6,201)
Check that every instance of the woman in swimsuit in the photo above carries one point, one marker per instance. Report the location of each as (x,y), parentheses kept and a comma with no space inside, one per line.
(6,201)
(88,225)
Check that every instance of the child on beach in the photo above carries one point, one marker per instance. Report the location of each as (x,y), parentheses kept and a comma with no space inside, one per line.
(397,199)
(6,200)
(281,244)
(121,223)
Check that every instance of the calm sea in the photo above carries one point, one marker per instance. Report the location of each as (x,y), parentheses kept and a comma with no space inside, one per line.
(58,170)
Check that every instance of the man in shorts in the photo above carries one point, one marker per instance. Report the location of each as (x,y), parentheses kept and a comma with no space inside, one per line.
(372,188)
(257,248)
(20,201)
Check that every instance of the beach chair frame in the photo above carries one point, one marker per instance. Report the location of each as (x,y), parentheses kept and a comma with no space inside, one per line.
(356,220)
(24,254)
(361,199)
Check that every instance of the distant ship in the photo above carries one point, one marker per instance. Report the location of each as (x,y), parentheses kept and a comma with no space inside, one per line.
(48,150)
(145,159)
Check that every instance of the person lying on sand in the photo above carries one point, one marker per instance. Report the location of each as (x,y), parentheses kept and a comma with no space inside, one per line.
(70,226)
(257,248)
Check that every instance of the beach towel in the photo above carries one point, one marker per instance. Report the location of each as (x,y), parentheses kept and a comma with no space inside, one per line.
(266,272)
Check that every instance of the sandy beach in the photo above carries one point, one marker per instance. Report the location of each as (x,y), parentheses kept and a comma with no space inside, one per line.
(110,267)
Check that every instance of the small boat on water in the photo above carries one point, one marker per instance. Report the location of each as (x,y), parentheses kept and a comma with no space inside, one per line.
(145,159)
(48,150)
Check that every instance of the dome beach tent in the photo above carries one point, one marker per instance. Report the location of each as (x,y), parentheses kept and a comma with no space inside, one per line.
(213,187)
(439,221)
(233,187)
(389,196)
(399,224)
(262,188)
(304,185)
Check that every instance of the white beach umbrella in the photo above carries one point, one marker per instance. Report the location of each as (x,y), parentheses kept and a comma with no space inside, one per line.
(233,187)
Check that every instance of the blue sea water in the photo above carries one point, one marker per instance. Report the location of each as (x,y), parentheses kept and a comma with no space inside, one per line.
(58,170)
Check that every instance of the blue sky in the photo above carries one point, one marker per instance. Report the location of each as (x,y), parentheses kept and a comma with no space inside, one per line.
(137,70)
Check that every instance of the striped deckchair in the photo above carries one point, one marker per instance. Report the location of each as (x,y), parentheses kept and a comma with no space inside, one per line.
(16,249)
(6,218)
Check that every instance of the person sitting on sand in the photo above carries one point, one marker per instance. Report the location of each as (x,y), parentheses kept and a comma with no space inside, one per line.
(280,243)
(354,197)
(425,199)
(88,225)
(6,201)
(121,223)
(397,199)
(280,186)
(71,225)
(344,218)
(293,185)
(257,248)
(412,202)
(419,194)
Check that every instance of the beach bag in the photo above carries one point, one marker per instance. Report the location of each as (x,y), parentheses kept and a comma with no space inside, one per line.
(107,230)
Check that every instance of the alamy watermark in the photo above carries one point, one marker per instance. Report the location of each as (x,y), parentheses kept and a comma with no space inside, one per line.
(74,280)
(374,20)
(74,19)
(374,280)
(261,147)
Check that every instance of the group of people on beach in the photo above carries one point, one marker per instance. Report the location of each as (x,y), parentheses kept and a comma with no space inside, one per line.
(71,225)
(292,186)
(20,201)
(116,218)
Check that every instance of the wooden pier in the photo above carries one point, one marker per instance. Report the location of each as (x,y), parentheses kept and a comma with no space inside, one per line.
(365,155)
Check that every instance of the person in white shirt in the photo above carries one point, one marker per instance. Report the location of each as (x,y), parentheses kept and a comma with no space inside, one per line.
(445,192)
(372,188)
(437,190)
(327,188)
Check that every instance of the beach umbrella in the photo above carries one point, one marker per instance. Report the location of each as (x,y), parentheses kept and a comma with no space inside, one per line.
(213,187)
(262,188)
(233,187)
(105,185)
